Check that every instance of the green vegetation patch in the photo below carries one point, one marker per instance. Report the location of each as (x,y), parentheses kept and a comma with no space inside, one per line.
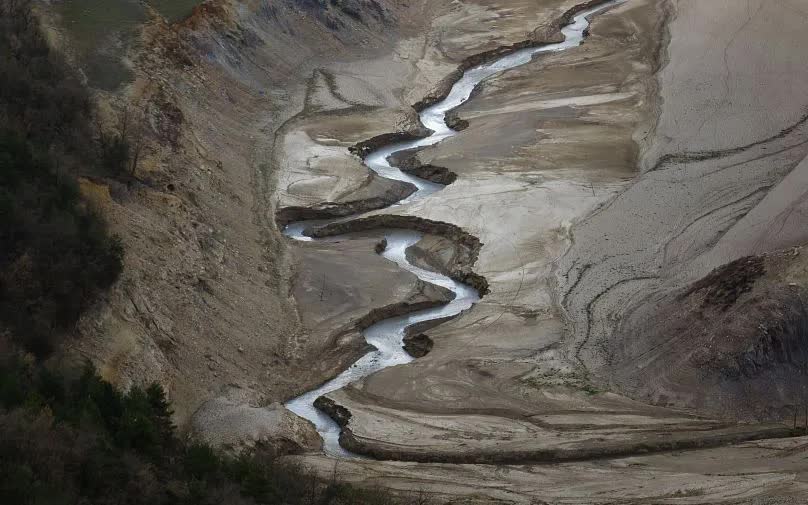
(55,256)
(174,10)
(102,32)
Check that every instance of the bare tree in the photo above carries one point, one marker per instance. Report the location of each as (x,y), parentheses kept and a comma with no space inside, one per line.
(422,498)
(122,147)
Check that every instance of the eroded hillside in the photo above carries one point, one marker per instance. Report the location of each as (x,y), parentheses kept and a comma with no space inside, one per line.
(697,299)
(630,208)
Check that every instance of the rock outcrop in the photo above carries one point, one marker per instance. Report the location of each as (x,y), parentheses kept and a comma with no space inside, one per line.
(734,342)
(418,345)
(227,425)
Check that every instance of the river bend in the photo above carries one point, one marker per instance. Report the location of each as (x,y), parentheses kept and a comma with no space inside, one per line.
(386,336)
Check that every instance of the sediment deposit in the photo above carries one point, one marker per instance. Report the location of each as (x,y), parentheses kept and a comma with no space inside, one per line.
(632,209)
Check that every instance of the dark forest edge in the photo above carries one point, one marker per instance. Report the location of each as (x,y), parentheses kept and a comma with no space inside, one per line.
(66,435)
(56,255)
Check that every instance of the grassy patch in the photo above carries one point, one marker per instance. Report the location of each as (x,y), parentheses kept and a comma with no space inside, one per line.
(560,378)
(174,10)
(101,32)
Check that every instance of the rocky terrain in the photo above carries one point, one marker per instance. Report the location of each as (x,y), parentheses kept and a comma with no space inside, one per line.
(630,208)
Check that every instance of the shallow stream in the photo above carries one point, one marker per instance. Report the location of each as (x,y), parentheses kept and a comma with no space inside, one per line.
(387,335)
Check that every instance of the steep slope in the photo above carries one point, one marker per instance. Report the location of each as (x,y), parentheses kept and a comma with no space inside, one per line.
(660,310)
(205,305)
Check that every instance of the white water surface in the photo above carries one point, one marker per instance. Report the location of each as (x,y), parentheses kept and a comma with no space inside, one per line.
(387,335)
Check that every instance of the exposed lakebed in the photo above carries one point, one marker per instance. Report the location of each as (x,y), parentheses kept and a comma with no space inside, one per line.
(387,335)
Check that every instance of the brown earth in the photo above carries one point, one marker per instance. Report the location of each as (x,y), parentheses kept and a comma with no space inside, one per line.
(207,302)
(685,290)
(626,312)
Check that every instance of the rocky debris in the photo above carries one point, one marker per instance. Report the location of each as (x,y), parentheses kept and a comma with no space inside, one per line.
(725,284)
(454,122)
(418,345)
(460,272)
(166,119)
(238,427)
(409,163)
(328,210)
(739,340)
(778,343)
(338,413)
(440,175)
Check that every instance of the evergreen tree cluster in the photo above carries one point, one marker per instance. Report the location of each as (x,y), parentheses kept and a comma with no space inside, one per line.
(56,256)
(71,438)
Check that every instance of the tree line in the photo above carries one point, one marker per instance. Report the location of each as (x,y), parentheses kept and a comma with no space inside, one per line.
(69,437)
(56,255)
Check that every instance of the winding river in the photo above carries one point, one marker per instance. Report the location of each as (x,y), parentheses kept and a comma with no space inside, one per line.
(387,335)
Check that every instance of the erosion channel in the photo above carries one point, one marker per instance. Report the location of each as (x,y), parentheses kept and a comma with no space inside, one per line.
(386,336)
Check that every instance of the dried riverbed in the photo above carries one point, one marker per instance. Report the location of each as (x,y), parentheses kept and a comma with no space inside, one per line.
(387,336)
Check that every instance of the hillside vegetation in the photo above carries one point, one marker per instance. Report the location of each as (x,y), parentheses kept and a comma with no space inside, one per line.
(56,256)
(70,437)
(66,435)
